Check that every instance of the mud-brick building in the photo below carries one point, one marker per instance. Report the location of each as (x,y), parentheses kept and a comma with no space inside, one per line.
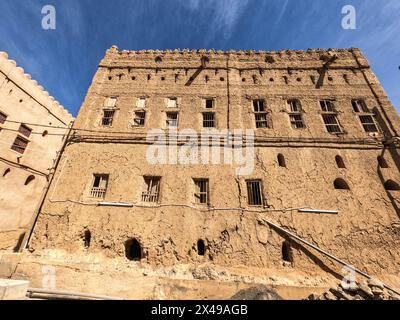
(325,138)
(32,130)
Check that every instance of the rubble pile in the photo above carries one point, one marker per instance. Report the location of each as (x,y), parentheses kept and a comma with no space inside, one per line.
(371,290)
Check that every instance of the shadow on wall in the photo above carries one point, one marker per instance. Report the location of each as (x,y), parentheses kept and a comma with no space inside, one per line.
(298,246)
(394,153)
(19,243)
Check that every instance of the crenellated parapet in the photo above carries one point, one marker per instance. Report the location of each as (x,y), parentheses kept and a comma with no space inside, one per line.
(312,58)
(25,82)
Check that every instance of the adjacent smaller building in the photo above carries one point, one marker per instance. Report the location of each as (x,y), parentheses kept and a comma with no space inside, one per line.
(33,127)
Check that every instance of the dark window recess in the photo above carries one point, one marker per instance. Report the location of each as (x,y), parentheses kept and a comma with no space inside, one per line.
(382,162)
(331,123)
(209,103)
(368,124)
(23,129)
(202,191)
(20,144)
(254,193)
(359,105)
(3,117)
(341,184)
(287,252)
(29,180)
(172,119)
(281,160)
(139,119)
(201,248)
(108,117)
(208,120)
(87,237)
(340,162)
(6,172)
(99,187)
(391,185)
(151,190)
(327,105)
(133,250)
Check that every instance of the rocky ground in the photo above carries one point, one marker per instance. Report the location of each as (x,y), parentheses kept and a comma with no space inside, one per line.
(370,290)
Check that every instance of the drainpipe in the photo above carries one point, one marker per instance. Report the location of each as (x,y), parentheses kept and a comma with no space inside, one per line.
(35,217)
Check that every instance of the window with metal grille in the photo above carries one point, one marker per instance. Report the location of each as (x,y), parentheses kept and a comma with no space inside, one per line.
(208,120)
(261,116)
(151,189)
(3,117)
(202,191)
(331,123)
(359,105)
(254,193)
(139,118)
(368,123)
(327,105)
(23,129)
(20,144)
(258,105)
(261,120)
(294,106)
(209,103)
(296,121)
(172,102)
(141,103)
(172,119)
(108,117)
(110,102)
(99,186)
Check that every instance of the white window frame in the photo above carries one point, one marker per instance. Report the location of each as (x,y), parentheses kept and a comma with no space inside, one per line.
(172,103)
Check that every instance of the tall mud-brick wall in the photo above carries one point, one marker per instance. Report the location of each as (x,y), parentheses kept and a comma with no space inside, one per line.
(324,120)
(33,126)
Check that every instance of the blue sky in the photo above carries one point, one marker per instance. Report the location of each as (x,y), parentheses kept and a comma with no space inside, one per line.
(64,60)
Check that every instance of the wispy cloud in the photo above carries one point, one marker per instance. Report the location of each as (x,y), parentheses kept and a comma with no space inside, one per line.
(222,15)
(281,13)
(64,60)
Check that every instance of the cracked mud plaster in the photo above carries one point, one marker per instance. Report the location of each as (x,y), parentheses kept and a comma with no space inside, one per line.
(365,232)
